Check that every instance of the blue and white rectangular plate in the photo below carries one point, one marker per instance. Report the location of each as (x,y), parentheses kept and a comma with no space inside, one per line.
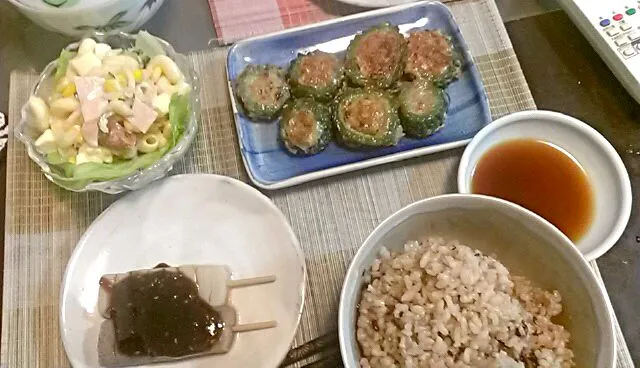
(270,166)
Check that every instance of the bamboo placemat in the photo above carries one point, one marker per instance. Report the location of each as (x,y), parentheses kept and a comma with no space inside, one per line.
(331,217)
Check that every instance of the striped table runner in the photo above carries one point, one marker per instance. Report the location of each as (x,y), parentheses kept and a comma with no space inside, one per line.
(238,19)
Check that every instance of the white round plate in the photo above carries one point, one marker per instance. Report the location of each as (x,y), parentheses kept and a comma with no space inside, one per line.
(191,219)
(376,3)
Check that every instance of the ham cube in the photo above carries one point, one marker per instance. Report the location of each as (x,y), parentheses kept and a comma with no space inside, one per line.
(93,103)
(90,132)
(143,115)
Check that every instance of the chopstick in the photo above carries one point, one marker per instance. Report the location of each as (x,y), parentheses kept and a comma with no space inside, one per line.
(328,342)
(331,360)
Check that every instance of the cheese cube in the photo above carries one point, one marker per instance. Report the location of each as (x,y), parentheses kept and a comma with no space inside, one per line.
(46,143)
(101,50)
(161,103)
(82,64)
(86,46)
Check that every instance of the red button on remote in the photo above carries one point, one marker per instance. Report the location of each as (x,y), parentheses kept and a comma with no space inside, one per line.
(617,17)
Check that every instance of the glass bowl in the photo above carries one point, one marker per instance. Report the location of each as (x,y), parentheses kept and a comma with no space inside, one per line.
(138,178)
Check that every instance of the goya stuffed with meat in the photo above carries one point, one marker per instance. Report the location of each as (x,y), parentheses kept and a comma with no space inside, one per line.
(262,91)
(305,127)
(422,108)
(317,75)
(367,118)
(376,57)
(431,56)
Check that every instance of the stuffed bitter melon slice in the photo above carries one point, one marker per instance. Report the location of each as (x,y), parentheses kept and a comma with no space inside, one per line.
(317,75)
(305,127)
(367,118)
(423,108)
(262,91)
(431,55)
(376,58)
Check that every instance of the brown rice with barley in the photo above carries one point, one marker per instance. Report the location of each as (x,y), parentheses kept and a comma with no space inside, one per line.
(443,304)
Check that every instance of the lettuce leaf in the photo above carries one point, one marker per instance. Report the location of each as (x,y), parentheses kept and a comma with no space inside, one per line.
(63,63)
(78,176)
(54,158)
(178,115)
(100,172)
(148,45)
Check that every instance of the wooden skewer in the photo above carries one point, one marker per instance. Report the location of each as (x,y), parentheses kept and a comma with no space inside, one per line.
(250,282)
(254,326)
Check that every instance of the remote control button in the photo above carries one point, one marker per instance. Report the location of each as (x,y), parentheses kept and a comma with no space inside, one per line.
(612,32)
(605,22)
(630,11)
(617,17)
(621,41)
(627,51)
(632,36)
(624,26)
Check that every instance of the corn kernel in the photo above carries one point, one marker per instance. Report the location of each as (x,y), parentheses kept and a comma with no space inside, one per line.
(111,85)
(69,90)
(137,75)
(62,84)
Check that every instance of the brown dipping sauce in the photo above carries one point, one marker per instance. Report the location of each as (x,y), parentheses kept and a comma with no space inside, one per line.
(540,177)
(161,314)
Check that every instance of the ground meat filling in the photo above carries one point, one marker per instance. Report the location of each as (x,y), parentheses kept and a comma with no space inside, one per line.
(378,53)
(367,115)
(117,137)
(266,88)
(317,70)
(301,128)
(421,101)
(429,54)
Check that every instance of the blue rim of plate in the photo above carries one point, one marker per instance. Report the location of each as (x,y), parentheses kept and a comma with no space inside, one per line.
(268,164)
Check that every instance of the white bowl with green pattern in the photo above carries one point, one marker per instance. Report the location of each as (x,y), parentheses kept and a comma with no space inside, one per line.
(79,17)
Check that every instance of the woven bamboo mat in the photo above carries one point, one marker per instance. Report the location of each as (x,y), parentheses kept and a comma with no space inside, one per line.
(43,222)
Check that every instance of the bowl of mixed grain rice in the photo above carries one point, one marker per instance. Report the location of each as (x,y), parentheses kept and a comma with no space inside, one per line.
(472,281)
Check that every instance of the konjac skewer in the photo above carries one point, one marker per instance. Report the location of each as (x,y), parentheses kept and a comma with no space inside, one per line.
(170,313)
(214,282)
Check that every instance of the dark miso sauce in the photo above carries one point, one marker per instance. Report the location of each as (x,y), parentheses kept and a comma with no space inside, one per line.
(161,314)
(540,177)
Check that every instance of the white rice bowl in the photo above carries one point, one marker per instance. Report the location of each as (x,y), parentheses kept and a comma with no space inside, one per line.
(515,292)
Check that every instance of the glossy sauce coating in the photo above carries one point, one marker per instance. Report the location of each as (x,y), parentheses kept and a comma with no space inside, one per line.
(161,314)
(378,53)
(540,177)
(318,69)
(429,54)
(366,114)
(266,88)
(300,128)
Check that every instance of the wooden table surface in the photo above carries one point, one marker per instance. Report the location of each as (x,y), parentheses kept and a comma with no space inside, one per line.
(562,69)
(565,74)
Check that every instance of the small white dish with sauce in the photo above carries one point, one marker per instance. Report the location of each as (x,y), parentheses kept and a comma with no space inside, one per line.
(607,175)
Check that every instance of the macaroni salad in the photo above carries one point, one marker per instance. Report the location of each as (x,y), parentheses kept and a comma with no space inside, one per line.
(110,111)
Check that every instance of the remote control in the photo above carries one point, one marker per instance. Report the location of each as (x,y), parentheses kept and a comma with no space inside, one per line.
(613,29)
